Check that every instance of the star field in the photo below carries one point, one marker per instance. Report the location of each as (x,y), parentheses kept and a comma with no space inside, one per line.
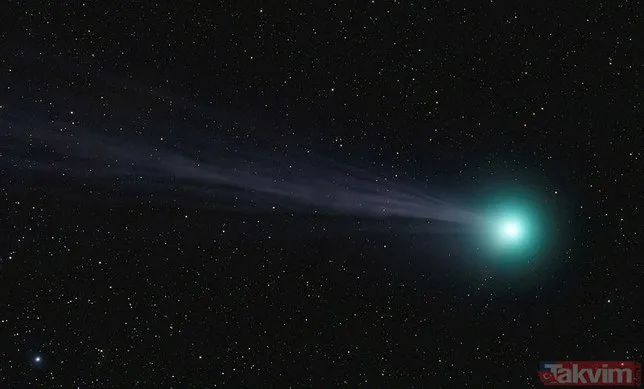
(106,286)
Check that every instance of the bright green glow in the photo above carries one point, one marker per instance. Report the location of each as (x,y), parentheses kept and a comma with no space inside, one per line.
(511,230)
(517,228)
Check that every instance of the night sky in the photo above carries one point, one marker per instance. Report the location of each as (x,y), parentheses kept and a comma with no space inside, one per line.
(131,274)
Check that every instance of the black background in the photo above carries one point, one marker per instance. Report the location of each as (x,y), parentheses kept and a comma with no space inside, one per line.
(473,98)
